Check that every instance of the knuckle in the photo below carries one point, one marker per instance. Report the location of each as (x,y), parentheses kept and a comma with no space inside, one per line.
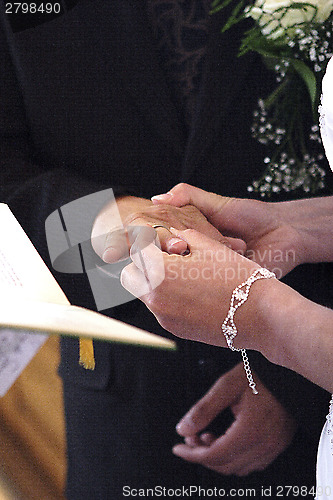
(200,412)
(192,211)
(164,211)
(153,302)
(182,187)
(190,232)
(134,217)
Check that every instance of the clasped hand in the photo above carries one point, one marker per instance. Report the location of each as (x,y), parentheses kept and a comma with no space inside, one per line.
(214,232)
(111,243)
(186,303)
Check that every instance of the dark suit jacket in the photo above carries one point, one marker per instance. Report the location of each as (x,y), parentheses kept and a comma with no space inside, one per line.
(85,106)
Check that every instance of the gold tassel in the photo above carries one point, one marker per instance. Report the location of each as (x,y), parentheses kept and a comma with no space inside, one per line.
(87,359)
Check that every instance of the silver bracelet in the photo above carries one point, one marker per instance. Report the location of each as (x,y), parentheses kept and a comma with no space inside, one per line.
(238,297)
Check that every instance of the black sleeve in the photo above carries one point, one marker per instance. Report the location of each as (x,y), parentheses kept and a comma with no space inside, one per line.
(32,188)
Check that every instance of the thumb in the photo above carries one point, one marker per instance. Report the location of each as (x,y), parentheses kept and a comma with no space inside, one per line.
(221,395)
(185,194)
(195,239)
(198,241)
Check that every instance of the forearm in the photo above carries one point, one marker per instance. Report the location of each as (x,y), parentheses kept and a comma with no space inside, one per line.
(294,332)
(302,227)
(313,220)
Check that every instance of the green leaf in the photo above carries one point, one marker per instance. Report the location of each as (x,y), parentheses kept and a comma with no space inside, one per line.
(237,13)
(273,97)
(218,5)
(236,16)
(309,79)
(254,40)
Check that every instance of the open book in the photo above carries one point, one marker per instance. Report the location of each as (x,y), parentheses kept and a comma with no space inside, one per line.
(33,306)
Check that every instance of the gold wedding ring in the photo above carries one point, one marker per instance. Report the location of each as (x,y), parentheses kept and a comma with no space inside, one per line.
(155,226)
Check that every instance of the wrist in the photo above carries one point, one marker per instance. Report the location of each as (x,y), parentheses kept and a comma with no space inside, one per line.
(261,319)
(280,313)
(311,221)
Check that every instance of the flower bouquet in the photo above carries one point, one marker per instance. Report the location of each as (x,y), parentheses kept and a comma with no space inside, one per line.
(295,39)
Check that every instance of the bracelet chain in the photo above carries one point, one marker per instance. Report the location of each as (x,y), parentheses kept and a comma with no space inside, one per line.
(229,329)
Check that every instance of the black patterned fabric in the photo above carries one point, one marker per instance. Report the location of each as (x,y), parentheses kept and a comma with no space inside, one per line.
(180,29)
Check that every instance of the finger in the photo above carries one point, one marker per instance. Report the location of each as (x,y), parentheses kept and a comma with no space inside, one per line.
(189,453)
(221,395)
(257,457)
(227,451)
(235,244)
(135,281)
(184,194)
(136,277)
(117,243)
(204,439)
(141,237)
(241,467)
(196,240)
(171,243)
(116,246)
(207,438)
(200,455)
(193,441)
(168,242)
(148,258)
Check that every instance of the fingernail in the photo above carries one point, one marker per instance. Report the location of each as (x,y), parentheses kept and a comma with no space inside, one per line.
(112,254)
(179,428)
(175,241)
(176,450)
(108,253)
(162,197)
(185,427)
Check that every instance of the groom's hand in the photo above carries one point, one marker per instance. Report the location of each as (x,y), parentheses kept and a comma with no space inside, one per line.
(112,244)
(262,428)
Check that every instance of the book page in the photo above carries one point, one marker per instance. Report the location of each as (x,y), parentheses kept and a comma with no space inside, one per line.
(33,305)
(23,273)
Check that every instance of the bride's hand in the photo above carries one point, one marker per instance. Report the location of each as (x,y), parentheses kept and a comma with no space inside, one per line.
(190,297)
(193,299)
(274,232)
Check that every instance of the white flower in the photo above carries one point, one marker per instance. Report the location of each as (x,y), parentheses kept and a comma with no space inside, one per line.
(278,18)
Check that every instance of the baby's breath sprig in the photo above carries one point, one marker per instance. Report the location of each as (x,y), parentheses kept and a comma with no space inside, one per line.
(295,39)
